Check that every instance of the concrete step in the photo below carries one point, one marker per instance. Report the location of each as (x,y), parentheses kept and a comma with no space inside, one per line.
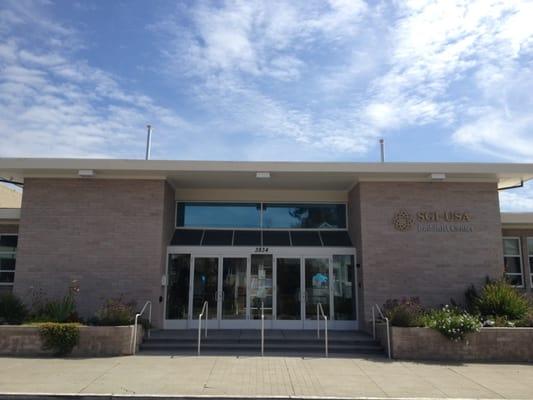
(248,342)
(255,349)
(270,341)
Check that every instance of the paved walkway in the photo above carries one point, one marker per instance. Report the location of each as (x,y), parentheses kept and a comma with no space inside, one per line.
(268,376)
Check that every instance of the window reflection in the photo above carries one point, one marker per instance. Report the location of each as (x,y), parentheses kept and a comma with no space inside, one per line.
(261,286)
(305,216)
(248,215)
(218,215)
(316,286)
(178,286)
(344,287)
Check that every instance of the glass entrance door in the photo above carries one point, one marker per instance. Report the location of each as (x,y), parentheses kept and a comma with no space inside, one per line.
(235,284)
(233,292)
(261,288)
(205,287)
(316,278)
(288,292)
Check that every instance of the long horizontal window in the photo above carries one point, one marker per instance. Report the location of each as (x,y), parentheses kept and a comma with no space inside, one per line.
(261,215)
(304,216)
(219,215)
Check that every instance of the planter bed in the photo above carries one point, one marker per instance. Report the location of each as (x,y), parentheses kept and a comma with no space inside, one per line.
(95,341)
(489,344)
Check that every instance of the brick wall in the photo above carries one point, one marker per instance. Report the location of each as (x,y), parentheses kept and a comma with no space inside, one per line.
(434,266)
(109,235)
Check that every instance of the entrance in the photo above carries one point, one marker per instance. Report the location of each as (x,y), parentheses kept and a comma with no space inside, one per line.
(289,284)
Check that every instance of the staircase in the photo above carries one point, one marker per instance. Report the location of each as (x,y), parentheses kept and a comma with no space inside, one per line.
(248,342)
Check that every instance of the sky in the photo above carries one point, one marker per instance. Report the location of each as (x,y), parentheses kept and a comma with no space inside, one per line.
(309,80)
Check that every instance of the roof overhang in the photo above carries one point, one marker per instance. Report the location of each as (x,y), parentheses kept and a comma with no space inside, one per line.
(9,216)
(517,220)
(283,175)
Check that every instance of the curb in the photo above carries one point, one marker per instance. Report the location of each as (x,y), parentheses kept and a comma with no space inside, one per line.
(110,396)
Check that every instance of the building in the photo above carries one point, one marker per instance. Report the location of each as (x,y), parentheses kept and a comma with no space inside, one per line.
(245,235)
(9,197)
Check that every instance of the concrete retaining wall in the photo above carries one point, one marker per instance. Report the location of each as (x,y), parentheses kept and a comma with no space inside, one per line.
(95,341)
(489,344)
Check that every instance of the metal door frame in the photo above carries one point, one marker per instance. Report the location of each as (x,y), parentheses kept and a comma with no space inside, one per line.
(222,252)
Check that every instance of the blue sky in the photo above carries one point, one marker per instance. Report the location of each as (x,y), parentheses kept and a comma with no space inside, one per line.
(270,80)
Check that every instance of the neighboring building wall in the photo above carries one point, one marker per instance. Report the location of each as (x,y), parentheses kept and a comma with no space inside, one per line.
(106,234)
(527,269)
(434,266)
(8,228)
(9,198)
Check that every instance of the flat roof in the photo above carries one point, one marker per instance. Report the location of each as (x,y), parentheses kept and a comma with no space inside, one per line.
(517,219)
(9,215)
(284,175)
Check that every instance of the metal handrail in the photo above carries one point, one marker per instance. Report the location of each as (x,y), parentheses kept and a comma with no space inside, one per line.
(147,304)
(205,308)
(262,328)
(320,311)
(387,322)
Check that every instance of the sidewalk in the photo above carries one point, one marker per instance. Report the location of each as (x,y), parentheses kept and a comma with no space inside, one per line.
(268,376)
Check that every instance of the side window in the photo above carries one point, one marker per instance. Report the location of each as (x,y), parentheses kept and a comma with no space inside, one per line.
(512,258)
(8,252)
(530,258)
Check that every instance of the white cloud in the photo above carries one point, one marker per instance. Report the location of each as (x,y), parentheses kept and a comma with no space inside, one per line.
(435,44)
(254,37)
(232,46)
(499,135)
(517,200)
(52,104)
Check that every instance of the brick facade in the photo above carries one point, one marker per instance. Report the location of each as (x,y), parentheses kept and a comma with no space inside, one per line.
(109,235)
(434,266)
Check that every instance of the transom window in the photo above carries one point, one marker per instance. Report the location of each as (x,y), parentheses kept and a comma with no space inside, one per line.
(304,216)
(512,256)
(317,216)
(8,250)
(218,215)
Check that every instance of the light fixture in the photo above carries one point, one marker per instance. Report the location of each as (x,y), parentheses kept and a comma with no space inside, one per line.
(86,173)
(438,177)
(262,175)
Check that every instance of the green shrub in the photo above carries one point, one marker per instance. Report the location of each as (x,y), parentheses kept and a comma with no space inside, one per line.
(12,309)
(500,299)
(471,298)
(451,322)
(115,312)
(404,313)
(527,320)
(59,337)
(63,310)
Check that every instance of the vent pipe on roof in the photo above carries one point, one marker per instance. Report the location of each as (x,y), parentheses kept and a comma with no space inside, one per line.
(382,149)
(148,142)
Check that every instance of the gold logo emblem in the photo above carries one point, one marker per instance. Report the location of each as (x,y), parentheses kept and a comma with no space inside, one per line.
(402,221)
